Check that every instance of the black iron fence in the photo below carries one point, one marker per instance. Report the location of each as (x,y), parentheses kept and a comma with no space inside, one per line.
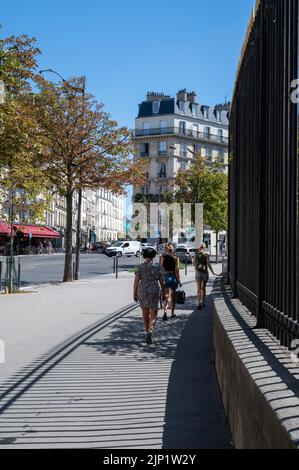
(264,173)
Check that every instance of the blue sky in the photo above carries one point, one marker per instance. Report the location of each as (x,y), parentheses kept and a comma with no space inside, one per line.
(129,47)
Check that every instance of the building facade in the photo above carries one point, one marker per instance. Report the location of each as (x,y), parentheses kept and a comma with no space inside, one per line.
(168,131)
(102,217)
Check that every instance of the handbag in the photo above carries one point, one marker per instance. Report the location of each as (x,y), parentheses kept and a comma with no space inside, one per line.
(180,296)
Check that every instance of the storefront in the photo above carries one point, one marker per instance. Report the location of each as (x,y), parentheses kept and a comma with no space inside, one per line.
(34,236)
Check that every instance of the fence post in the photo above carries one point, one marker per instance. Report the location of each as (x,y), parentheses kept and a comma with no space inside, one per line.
(114,265)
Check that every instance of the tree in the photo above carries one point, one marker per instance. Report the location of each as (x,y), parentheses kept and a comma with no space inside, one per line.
(84,148)
(209,186)
(22,181)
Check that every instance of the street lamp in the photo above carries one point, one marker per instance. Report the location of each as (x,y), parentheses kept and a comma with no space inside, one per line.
(79,211)
(159,224)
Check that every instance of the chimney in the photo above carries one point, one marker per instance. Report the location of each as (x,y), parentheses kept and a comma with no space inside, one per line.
(182,95)
(153,96)
(192,97)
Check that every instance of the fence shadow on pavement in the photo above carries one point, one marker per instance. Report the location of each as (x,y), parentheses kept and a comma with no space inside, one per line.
(195,416)
(127,335)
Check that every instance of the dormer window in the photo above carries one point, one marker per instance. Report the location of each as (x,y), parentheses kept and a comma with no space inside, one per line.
(194,109)
(156,107)
(218,115)
(182,106)
(205,112)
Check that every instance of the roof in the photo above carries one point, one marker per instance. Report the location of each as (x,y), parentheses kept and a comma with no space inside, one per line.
(171,106)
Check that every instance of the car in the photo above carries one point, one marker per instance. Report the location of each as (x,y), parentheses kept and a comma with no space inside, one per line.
(147,245)
(124,248)
(184,255)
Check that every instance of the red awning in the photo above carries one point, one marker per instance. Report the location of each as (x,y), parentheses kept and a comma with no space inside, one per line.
(37,231)
(4,228)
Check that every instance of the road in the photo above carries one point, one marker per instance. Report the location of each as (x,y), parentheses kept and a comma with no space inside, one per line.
(39,269)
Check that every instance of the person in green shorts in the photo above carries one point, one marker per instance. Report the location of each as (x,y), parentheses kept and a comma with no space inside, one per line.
(202,267)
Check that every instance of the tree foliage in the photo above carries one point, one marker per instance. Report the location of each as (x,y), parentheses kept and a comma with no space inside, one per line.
(209,186)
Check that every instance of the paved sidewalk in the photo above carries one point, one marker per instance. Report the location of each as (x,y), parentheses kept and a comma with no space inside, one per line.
(113,391)
(34,322)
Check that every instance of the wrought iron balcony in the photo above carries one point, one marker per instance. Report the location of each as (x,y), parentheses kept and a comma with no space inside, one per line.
(178,131)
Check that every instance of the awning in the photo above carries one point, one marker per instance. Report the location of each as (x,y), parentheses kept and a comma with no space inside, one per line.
(4,228)
(37,231)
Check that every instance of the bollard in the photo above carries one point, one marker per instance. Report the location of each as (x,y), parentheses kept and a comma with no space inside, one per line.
(19,272)
(116,267)
(74,269)
(1,267)
(186,266)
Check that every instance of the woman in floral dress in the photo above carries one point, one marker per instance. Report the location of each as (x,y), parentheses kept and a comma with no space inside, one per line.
(148,279)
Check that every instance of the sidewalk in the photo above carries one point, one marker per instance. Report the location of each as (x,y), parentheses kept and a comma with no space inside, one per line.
(32,323)
(113,391)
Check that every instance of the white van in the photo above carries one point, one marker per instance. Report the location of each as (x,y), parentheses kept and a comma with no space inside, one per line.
(127,248)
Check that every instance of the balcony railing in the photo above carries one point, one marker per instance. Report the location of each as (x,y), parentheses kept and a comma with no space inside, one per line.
(189,133)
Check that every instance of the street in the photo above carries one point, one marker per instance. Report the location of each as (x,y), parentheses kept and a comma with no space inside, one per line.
(39,269)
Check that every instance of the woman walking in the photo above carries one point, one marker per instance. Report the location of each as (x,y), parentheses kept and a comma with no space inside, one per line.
(202,267)
(171,265)
(148,279)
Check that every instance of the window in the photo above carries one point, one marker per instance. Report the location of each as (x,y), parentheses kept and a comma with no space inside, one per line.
(195,130)
(156,107)
(220,135)
(182,106)
(162,148)
(205,112)
(221,156)
(162,171)
(194,109)
(209,153)
(207,132)
(182,166)
(218,115)
(182,127)
(145,150)
(183,150)
(146,128)
(163,127)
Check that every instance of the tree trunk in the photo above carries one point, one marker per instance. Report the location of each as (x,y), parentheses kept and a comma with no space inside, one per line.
(68,263)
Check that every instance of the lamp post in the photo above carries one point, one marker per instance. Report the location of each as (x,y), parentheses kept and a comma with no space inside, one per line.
(79,210)
(159,225)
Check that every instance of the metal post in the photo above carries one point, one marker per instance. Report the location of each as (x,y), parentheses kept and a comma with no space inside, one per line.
(74,269)
(1,268)
(116,267)
(19,272)
(186,265)
(78,236)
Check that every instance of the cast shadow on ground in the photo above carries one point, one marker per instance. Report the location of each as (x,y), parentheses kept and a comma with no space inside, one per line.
(127,335)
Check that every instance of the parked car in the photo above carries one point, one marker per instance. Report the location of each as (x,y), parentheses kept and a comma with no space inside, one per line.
(126,248)
(147,245)
(100,247)
(184,255)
